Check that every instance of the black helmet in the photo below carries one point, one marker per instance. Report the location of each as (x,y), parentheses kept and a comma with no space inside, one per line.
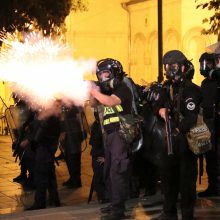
(173,61)
(207,63)
(113,66)
(174,56)
(206,56)
(115,69)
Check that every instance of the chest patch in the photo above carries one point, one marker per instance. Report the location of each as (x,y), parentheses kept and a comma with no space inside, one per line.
(191,106)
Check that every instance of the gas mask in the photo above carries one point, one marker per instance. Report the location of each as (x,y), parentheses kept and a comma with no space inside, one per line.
(173,72)
(205,67)
(110,74)
(107,82)
(105,85)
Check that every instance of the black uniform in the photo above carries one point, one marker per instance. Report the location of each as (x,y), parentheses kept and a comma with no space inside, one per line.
(26,116)
(116,151)
(72,146)
(209,92)
(179,171)
(44,141)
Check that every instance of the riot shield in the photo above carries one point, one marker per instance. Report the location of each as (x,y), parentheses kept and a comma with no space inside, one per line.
(16,116)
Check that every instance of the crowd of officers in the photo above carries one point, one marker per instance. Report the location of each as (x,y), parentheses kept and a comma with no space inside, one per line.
(118,173)
(37,141)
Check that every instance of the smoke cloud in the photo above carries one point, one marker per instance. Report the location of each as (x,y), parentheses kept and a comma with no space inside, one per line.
(40,70)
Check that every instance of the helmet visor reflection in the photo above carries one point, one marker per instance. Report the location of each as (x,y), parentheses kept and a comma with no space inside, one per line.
(103,75)
(203,65)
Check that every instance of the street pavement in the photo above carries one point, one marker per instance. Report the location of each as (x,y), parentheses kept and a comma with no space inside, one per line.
(14,199)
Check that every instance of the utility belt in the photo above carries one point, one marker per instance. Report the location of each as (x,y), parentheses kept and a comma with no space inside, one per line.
(109,131)
(111,124)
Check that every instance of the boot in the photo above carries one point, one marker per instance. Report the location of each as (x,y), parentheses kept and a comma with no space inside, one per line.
(34,207)
(60,156)
(29,185)
(134,187)
(164,216)
(66,183)
(150,192)
(70,184)
(106,209)
(53,203)
(20,179)
(114,216)
(209,192)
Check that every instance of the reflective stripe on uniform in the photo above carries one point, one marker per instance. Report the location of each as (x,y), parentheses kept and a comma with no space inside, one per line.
(119,108)
(109,110)
(110,120)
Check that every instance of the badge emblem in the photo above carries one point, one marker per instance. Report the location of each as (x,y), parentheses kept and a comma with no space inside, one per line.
(191,106)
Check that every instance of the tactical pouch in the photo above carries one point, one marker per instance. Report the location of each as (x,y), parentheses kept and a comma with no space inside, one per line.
(131,130)
(199,137)
(130,127)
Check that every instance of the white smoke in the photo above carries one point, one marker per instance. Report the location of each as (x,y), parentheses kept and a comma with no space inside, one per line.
(41,69)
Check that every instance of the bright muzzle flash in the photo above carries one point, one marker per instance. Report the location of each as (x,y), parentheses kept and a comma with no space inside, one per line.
(40,69)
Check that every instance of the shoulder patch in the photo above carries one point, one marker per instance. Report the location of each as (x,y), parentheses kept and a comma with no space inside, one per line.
(190,106)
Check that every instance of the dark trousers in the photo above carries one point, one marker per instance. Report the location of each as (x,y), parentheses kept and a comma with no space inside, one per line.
(45,178)
(116,170)
(150,178)
(178,175)
(73,161)
(212,157)
(72,150)
(98,179)
(23,168)
(135,167)
(212,169)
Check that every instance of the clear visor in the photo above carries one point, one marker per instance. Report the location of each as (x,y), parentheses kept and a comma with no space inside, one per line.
(173,71)
(171,67)
(203,65)
(206,65)
(103,75)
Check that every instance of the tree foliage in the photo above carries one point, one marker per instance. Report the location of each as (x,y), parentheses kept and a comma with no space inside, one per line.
(214,20)
(44,15)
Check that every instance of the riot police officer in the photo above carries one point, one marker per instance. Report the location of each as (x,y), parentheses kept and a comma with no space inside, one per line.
(71,142)
(25,118)
(180,98)
(209,91)
(44,141)
(114,94)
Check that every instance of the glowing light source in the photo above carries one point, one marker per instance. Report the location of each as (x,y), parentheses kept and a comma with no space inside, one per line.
(41,69)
